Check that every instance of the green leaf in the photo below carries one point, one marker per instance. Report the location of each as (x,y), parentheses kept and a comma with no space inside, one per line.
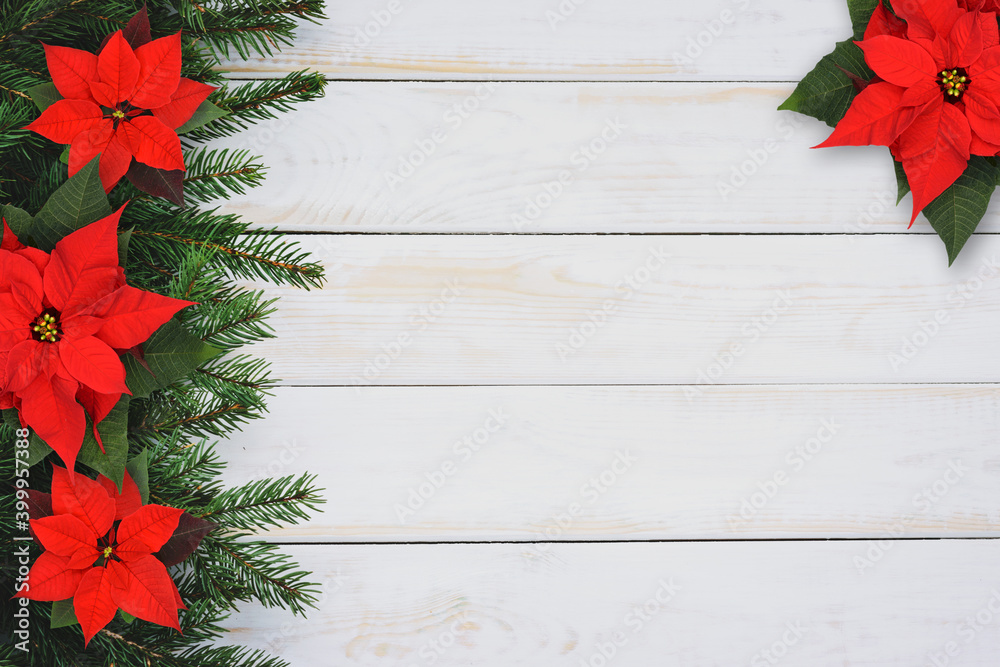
(124,237)
(127,617)
(64,156)
(114,434)
(827,92)
(138,468)
(18,220)
(44,95)
(902,184)
(77,203)
(172,352)
(861,13)
(63,614)
(956,213)
(204,114)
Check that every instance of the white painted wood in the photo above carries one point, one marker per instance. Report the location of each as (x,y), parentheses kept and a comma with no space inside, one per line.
(504,604)
(672,158)
(599,40)
(502,463)
(521,310)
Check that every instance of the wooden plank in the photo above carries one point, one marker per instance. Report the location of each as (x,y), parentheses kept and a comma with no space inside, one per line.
(565,463)
(639,310)
(719,604)
(528,40)
(661,158)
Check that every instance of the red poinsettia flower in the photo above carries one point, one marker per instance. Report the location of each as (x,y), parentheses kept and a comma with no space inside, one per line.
(99,547)
(936,98)
(121,104)
(65,318)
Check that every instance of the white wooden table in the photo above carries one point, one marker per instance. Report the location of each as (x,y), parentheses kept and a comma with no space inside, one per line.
(611,368)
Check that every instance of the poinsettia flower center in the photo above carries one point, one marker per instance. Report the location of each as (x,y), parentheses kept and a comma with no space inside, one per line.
(118,114)
(108,551)
(954,82)
(46,327)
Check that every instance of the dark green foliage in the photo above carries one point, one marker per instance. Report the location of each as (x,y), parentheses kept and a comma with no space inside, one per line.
(184,253)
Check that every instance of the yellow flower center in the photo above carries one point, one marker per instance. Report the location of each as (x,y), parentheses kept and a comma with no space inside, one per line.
(108,551)
(953,83)
(118,113)
(46,328)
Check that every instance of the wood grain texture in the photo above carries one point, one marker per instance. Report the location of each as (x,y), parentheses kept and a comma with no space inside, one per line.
(572,157)
(599,40)
(503,604)
(639,310)
(565,463)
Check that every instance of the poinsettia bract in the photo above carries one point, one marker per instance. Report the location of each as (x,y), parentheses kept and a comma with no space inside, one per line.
(125,102)
(99,547)
(65,320)
(935,100)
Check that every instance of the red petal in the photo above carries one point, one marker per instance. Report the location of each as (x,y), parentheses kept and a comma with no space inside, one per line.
(89,144)
(119,70)
(884,22)
(93,602)
(50,579)
(991,30)
(126,502)
(49,406)
(927,18)
(64,534)
(72,70)
(189,96)
(149,592)
(28,361)
(9,240)
(131,315)
(159,73)
(935,152)
(23,282)
(83,498)
(874,118)
(920,94)
(146,530)
(98,406)
(115,162)
(84,265)
(898,61)
(983,117)
(152,142)
(982,147)
(92,363)
(966,42)
(65,119)
(985,73)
